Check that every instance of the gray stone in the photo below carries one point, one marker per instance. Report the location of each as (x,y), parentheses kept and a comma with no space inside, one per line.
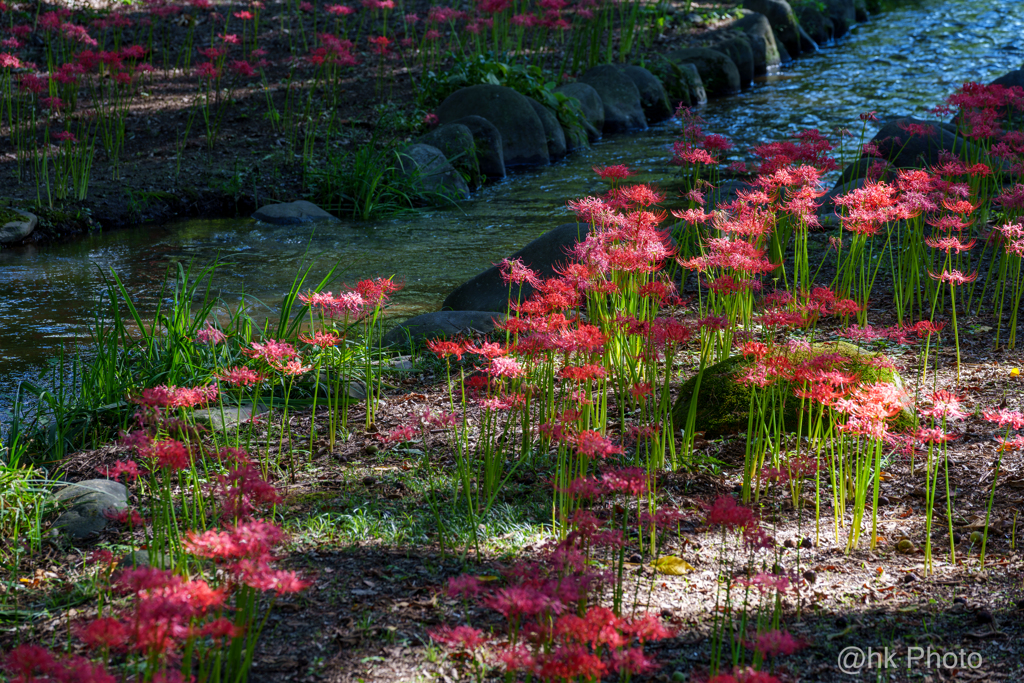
(861,9)
(762,40)
(488,144)
(843,14)
(88,503)
(552,129)
(622,109)
(717,71)
(695,86)
(783,21)
(293,213)
(431,171)
(456,142)
(230,418)
(441,324)
(488,292)
(740,52)
(522,132)
(904,150)
(15,231)
(590,104)
(653,98)
(814,22)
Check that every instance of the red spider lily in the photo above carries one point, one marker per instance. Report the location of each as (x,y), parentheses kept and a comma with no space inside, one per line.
(272,352)
(515,271)
(248,539)
(240,376)
(1004,417)
(28,663)
(583,373)
(459,637)
(593,444)
(488,350)
(443,349)
(106,633)
(504,366)
(377,292)
(126,516)
(766,583)
(464,586)
(210,335)
(516,602)
(945,404)
(242,490)
(172,396)
(630,480)
(243,68)
(615,172)
(776,642)
(727,513)
(953,277)
(400,434)
(321,339)
(126,468)
(933,436)
(380,45)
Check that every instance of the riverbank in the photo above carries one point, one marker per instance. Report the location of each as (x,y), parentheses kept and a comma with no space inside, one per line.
(183,148)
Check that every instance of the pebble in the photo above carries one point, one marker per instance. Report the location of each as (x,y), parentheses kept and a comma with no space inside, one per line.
(636,558)
(959,601)
(789,543)
(842,622)
(983,616)
(810,576)
(369,481)
(806,544)
(911,578)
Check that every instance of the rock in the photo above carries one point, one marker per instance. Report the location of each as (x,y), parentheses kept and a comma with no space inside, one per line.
(783,21)
(431,172)
(843,14)
(522,131)
(907,149)
(622,109)
(681,81)
(861,9)
(1010,79)
(590,104)
(739,51)
(653,98)
(723,402)
(576,138)
(487,143)
(231,418)
(88,503)
(718,72)
(456,142)
(814,22)
(440,325)
(691,77)
(17,229)
(807,44)
(762,41)
(145,558)
(487,291)
(293,213)
(553,132)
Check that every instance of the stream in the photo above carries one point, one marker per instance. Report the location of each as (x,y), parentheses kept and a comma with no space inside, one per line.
(903,62)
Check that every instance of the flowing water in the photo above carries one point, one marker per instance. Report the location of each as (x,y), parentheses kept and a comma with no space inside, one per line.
(903,62)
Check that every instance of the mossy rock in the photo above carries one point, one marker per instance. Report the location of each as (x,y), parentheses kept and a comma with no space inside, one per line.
(723,401)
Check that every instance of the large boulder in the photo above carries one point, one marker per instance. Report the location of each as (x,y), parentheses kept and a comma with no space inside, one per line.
(740,52)
(590,104)
(293,213)
(430,171)
(861,9)
(487,143)
(911,143)
(442,324)
(681,80)
(16,225)
(783,21)
(653,98)
(718,72)
(488,292)
(756,28)
(522,132)
(552,129)
(723,401)
(843,14)
(456,142)
(622,109)
(87,506)
(816,24)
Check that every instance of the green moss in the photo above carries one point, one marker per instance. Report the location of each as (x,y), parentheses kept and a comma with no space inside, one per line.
(723,402)
(8,216)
